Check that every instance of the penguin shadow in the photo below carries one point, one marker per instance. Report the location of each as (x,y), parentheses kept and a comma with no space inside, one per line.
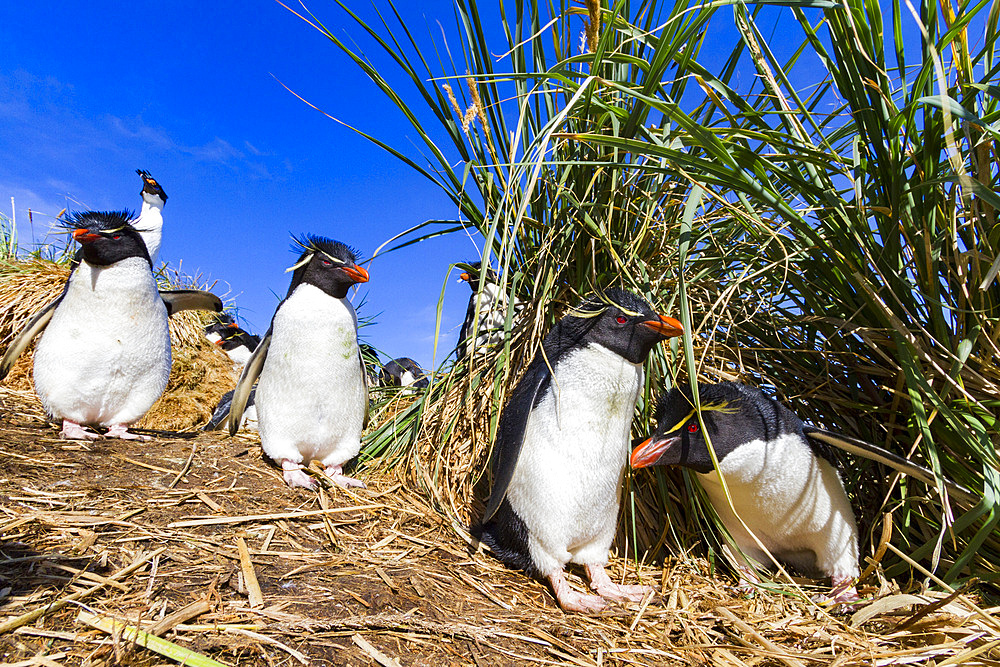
(25,570)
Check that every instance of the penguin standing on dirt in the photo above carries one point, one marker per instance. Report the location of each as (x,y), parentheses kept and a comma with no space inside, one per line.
(104,358)
(781,475)
(312,397)
(150,223)
(562,444)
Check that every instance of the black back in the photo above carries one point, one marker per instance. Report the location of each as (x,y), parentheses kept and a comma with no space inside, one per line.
(110,237)
(734,414)
(322,264)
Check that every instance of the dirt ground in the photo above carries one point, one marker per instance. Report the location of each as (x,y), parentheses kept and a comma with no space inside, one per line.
(140,532)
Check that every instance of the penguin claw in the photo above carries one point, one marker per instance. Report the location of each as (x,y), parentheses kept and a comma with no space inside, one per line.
(603,586)
(347,482)
(571,600)
(73,431)
(121,431)
(335,474)
(295,476)
(621,593)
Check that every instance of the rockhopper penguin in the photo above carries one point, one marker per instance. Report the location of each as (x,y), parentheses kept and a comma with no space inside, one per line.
(150,223)
(487,311)
(312,397)
(784,486)
(780,473)
(562,444)
(104,358)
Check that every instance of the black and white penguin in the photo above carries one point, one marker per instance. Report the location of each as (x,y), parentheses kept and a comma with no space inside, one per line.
(562,444)
(234,341)
(781,475)
(486,313)
(150,222)
(104,358)
(784,486)
(312,397)
(404,372)
(150,228)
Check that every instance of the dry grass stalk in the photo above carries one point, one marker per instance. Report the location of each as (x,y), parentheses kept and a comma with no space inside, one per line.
(397,576)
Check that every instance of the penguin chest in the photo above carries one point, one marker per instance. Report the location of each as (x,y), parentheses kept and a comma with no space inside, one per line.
(311,394)
(568,476)
(792,500)
(105,356)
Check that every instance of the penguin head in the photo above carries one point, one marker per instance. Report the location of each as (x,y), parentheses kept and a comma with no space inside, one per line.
(151,190)
(680,439)
(106,237)
(329,265)
(474,273)
(619,321)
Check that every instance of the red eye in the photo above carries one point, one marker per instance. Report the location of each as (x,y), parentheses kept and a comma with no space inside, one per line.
(621,319)
(692,428)
(326,262)
(116,237)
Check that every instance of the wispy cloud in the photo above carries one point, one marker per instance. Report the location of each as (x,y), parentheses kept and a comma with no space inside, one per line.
(40,120)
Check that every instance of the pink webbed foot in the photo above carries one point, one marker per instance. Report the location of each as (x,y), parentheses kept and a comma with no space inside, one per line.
(602,584)
(843,591)
(73,431)
(294,475)
(571,600)
(121,431)
(336,475)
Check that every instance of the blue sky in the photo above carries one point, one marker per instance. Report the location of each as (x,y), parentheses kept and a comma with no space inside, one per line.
(89,92)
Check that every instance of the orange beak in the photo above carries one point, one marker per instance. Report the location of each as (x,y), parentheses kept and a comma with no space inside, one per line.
(667,327)
(357,274)
(84,236)
(647,453)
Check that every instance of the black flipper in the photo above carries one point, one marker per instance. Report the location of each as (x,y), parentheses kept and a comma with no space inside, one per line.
(221,413)
(21,342)
(241,394)
(511,430)
(177,300)
(875,453)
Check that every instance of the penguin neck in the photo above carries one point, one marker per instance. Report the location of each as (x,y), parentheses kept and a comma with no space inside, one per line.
(126,275)
(150,224)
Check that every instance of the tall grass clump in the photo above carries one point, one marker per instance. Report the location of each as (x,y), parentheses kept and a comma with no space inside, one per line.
(819,209)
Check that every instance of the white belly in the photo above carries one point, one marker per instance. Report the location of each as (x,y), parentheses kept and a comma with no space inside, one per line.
(104,358)
(311,394)
(567,482)
(792,500)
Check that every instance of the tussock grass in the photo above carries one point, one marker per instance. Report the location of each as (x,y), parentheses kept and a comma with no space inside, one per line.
(819,211)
